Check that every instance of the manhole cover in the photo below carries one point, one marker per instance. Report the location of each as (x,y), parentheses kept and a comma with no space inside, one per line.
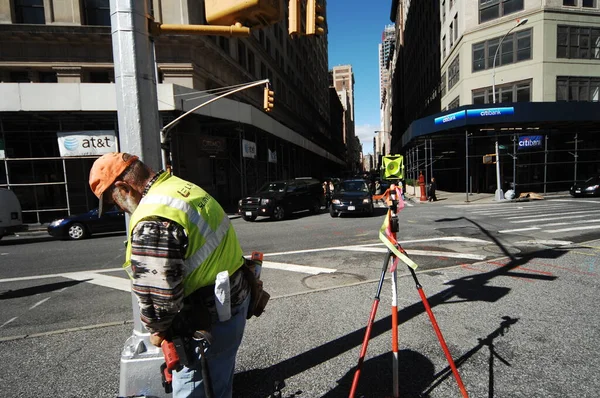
(501,250)
(322,281)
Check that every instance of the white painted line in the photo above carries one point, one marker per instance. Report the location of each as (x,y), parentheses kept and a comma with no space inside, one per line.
(567,223)
(544,242)
(64,275)
(470,206)
(3,254)
(7,322)
(562,213)
(548,219)
(305,269)
(417,252)
(39,303)
(322,249)
(576,201)
(508,231)
(523,209)
(113,282)
(554,231)
(408,204)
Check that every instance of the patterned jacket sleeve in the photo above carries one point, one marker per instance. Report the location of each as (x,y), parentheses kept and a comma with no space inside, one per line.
(158,252)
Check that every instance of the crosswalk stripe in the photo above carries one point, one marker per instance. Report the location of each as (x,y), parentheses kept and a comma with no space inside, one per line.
(555,224)
(412,252)
(576,201)
(508,231)
(548,219)
(524,208)
(305,269)
(554,231)
(113,282)
(550,214)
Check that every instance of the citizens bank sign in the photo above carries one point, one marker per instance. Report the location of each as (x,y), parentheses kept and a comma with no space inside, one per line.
(87,143)
(530,141)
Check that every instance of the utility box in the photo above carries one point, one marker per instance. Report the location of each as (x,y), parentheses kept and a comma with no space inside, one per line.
(247,12)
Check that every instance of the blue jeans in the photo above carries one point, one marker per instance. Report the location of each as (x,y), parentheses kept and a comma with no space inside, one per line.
(227,337)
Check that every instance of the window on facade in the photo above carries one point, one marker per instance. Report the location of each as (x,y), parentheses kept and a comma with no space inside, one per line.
(268,46)
(251,63)
(443,11)
(512,92)
(99,77)
(492,9)
(456,27)
(48,77)
(97,12)
(242,58)
(455,103)
(453,73)
(451,35)
(578,42)
(30,11)
(569,2)
(516,47)
(19,77)
(589,3)
(443,85)
(570,88)
(444,47)
(224,44)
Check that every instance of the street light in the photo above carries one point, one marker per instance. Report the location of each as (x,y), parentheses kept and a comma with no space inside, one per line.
(499,194)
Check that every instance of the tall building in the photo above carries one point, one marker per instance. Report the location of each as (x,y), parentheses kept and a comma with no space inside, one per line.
(519,75)
(386,54)
(386,51)
(56,76)
(342,79)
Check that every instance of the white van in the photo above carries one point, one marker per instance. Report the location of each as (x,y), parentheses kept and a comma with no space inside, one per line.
(11,219)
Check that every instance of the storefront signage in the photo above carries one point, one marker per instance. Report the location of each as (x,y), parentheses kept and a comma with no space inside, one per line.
(450,117)
(474,113)
(272,156)
(248,149)
(530,141)
(212,145)
(87,143)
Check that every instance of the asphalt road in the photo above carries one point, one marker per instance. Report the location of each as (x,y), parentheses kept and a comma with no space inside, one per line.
(322,274)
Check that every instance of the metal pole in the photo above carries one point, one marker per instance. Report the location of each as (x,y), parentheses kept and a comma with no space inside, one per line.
(431,155)
(426,165)
(66,186)
(499,193)
(515,165)
(576,156)
(417,162)
(545,161)
(467,164)
(5,160)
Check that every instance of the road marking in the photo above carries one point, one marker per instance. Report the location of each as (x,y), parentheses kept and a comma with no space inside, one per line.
(113,282)
(523,211)
(508,231)
(567,223)
(39,303)
(305,269)
(417,252)
(546,242)
(3,254)
(554,231)
(548,219)
(7,322)
(63,275)
(576,201)
(525,208)
(550,214)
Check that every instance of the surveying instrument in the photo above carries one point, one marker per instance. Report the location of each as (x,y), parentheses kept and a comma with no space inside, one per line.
(393,170)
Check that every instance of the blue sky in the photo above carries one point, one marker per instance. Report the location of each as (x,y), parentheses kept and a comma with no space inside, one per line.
(354,31)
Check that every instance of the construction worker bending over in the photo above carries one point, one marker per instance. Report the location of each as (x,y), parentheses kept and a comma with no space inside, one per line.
(179,240)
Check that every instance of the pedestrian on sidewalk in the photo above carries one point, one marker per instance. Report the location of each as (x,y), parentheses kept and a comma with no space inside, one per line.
(431,191)
(179,240)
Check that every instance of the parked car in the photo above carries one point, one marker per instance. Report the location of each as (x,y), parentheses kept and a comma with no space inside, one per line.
(591,187)
(351,196)
(11,218)
(84,225)
(278,199)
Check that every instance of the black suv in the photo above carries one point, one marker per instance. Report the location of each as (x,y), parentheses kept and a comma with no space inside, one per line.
(277,199)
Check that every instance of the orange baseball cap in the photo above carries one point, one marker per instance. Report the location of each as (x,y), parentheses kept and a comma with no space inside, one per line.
(105,170)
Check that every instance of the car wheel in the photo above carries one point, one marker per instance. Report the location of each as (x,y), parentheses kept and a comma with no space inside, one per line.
(77,231)
(278,213)
(333,213)
(371,211)
(316,207)
(249,218)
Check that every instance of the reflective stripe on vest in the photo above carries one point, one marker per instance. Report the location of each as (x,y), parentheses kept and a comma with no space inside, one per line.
(212,243)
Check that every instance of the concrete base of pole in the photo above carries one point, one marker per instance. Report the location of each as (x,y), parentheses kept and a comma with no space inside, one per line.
(499,195)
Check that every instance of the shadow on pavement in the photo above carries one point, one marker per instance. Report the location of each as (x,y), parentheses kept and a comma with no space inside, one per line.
(261,382)
(30,291)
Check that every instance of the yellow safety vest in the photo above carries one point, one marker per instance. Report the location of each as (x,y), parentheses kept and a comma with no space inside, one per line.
(212,243)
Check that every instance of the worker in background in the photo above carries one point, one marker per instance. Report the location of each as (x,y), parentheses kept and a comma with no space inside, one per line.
(179,240)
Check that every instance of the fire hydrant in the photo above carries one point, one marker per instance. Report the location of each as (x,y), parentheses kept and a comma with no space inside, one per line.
(422,185)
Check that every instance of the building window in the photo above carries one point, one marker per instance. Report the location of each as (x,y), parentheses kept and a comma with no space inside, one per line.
(269,46)
(263,71)
(588,3)
(571,88)
(454,104)
(453,73)
(451,35)
(242,58)
(99,77)
(578,42)
(48,77)
(444,47)
(443,85)
(456,27)
(19,77)
(492,9)
(443,11)
(516,47)
(97,12)
(571,3)
(30,11)
(224,44)
(251,63)
(512,92)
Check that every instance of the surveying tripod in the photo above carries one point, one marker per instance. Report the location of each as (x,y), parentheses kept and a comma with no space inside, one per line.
(396,252)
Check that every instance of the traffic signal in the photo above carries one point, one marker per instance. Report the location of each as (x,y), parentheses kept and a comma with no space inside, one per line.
(393,167)
(269,99)
(315,18)
(294,18)
(247,12)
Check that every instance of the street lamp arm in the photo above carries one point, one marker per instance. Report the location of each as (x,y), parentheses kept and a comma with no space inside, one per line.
(519,23)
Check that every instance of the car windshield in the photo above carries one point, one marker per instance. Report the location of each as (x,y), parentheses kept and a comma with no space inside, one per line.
(352,186)
(273,187)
